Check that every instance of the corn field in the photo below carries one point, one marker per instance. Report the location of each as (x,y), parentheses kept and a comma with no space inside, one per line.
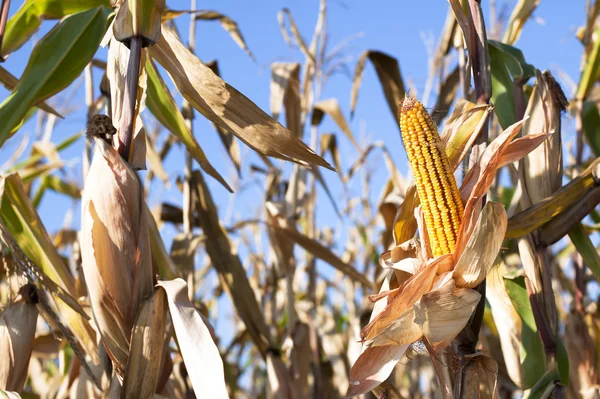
(472,271)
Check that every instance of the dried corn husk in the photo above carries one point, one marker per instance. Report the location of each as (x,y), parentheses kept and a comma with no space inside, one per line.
(115,249)
(17,332)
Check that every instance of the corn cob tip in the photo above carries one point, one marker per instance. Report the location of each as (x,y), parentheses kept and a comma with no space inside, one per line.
(408,103)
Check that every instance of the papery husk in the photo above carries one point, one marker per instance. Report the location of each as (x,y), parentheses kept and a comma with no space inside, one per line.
(375,363)
(443,312)
(540,171)
(146,350)
(402,331)
(480,379)
(17,332)
(115,249)
(139,18)
(482,247)
(412,290)
(507,322)
(116,72)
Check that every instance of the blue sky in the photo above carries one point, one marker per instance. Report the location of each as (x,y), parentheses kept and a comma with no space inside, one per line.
(395,27)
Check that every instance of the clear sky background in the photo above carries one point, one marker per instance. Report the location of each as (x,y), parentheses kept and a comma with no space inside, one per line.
(399,28)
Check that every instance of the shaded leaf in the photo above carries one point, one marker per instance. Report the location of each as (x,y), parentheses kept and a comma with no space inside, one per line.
(446,96)
(591,126)
(591,71)
(586,248)
(532,349)
(229,268)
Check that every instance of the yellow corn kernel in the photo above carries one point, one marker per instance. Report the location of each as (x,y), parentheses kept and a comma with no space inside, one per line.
(436,186)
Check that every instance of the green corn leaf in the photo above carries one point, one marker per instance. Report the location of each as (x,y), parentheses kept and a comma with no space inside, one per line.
(27,20)
(591,126)
(162,105)
(586,249)
(508,66)
(55,62)
(24,224)
(590,73)
(538,390)
(532,349)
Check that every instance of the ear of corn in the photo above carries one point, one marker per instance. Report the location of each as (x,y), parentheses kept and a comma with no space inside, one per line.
(436,186)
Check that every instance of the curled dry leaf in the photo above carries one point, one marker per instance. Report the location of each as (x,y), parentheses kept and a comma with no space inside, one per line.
(285,91)
(373,366)
(331,107)
(443,312)
(388,72)
(540,171)
(229,25)
(200,354)
(227,107)
(507,322)
(521,13)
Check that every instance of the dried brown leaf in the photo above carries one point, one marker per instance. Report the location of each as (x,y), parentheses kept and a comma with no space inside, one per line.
(285,91)
(331,107)
(227,107)
(229,25)
(521,13)
(388,72)
(227,138)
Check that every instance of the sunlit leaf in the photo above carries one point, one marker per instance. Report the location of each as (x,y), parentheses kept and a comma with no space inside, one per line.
(229,25)
(227,107)
(162,105)
(55,62)
(27,20)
